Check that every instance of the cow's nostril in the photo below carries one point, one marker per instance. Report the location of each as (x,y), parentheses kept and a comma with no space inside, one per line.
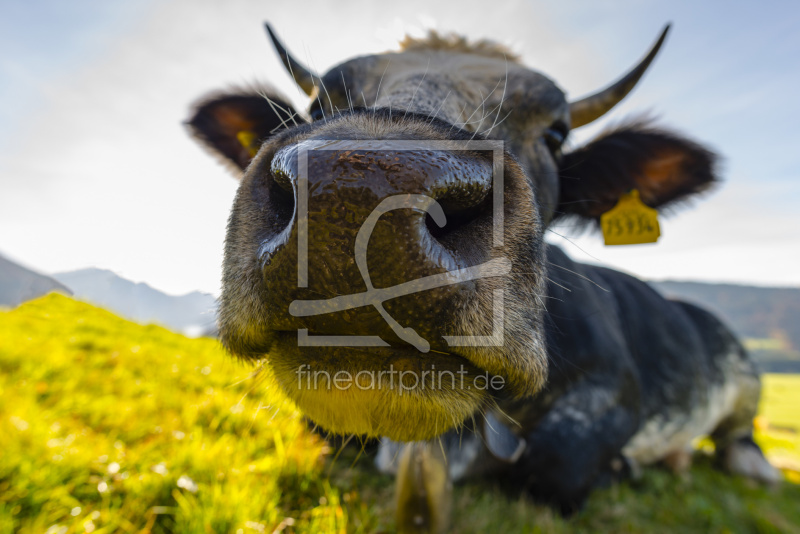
(283,168)
(282,179)
(275,190)
(281,200)
(281,184)
(460,216)
(281,195)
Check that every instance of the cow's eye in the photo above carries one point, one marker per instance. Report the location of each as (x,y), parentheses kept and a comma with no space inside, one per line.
(555,135)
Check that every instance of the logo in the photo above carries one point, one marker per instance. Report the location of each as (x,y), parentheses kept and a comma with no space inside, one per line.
(375,297)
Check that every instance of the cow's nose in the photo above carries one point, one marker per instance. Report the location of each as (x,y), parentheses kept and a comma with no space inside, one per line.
(348,219)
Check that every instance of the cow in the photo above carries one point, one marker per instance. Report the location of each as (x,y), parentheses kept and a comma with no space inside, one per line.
(392,235)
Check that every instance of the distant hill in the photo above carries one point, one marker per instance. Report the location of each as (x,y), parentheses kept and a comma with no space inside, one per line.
(193,313)
(767,318)
(19,284)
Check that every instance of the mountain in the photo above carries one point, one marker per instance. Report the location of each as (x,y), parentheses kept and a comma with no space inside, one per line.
(766,318)
(19,284)
(193,313)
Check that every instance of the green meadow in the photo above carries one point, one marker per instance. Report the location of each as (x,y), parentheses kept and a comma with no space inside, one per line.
(110,426)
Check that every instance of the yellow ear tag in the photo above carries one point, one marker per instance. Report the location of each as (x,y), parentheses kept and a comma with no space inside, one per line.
(247,138)
(630,222)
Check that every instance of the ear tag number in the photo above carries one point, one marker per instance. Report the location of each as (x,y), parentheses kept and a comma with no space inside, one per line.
(248,139)
(630,222)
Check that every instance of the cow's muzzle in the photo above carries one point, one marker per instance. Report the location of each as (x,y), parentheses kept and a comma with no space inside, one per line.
(393,226)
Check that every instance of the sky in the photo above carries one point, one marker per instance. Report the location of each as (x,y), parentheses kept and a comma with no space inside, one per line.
(96,168)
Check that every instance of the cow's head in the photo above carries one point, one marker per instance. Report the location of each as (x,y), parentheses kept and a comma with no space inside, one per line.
(385,255)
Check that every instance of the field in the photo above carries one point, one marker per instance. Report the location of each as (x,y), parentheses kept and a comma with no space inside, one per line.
(109,426)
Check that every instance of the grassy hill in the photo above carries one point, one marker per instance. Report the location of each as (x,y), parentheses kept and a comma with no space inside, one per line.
(109,426)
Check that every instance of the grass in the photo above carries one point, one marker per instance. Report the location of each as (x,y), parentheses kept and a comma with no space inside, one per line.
(110,426)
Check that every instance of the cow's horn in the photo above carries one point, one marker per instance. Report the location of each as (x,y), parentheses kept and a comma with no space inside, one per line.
(593,107)
(302,76)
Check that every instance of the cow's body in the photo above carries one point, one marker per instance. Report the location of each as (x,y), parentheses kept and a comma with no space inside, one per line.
(670,371)
(634,379)
(601,373)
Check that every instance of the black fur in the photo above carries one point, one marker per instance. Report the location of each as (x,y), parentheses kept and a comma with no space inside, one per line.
(620,355)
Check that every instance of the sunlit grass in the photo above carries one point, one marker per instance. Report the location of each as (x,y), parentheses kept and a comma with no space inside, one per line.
(778,423)
(110,426)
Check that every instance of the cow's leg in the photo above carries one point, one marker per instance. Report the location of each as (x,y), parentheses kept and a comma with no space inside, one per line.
(735,372)
(733,437)
(744,457)
(577,446)
(679,461)
(423,489)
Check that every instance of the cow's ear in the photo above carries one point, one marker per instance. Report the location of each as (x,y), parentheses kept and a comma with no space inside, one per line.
(665,167)
(233,124)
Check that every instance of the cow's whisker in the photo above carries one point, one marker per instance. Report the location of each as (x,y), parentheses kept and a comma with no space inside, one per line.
(441,447)
(579,275)
(322,84)
(565,288)
(294,114)
(339,452)
(360,452)
(275,107)
(502,99)
(378,92)
(482,105)
(346,92)
(565,238)
(480,93)
(460,114)
(414,95)
(487,132)
(433,114)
